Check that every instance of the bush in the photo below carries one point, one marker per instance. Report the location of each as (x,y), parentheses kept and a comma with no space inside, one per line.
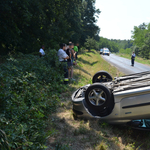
(125,51)
(28,95)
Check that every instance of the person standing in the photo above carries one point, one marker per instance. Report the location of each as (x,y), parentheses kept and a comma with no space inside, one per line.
(41,51)
(76,50)
(70,53)
(132,59)
(62,56)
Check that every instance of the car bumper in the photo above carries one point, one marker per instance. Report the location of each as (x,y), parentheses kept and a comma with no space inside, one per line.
(106,54)
(79,109)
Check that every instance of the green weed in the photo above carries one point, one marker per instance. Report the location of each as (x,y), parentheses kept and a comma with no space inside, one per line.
(102,146)
(60,146)
(81,130)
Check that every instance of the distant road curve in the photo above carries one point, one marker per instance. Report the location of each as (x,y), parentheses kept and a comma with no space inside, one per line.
(124,65)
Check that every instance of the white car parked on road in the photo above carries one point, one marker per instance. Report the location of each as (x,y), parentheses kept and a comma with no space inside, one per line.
(106,51)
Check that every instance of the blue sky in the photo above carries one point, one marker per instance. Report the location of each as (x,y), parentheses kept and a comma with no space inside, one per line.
(118,17)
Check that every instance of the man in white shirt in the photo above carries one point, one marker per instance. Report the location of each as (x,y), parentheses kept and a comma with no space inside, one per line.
(62,56)
(41,51)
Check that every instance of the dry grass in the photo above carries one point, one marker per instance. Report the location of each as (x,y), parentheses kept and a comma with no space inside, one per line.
(69,134)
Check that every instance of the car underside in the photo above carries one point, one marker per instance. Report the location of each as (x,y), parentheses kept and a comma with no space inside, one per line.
(125,99)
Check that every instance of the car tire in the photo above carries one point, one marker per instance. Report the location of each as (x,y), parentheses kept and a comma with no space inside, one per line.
(98,97)
(101,76)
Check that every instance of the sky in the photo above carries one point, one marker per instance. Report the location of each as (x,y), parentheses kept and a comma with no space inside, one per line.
(118,17)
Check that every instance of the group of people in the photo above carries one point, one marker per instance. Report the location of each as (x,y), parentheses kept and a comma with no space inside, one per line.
(67,56)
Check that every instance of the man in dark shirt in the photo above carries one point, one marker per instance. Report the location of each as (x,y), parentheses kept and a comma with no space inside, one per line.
(132,59)
(70,53)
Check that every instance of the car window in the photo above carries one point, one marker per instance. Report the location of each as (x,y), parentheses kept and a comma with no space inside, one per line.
(106,51)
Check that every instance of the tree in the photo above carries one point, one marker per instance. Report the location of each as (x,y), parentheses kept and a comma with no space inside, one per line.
(91,43)
(26,25)
(88,16)
(141,40)
(138,36)
(112,46)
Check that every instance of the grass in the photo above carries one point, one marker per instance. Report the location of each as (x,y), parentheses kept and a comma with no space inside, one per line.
(70,134)
(137,59)
(88,64)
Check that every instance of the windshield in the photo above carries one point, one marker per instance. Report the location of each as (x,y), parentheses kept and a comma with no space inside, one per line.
(106,51)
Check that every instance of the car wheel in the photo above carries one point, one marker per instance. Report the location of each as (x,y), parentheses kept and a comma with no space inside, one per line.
(98,96)
(101,76)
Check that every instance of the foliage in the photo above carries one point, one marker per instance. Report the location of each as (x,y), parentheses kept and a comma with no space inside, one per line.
(125,51)
(91,43)
(26,25)
(28,95)
(59,146)
(3,141)
(112,46)
(115,45)
(88,15)
(141,40)
(139,34)
(123,43)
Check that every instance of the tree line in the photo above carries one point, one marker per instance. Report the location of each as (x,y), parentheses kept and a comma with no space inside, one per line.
(123,44)
(114,45)
(111,45)
(26,25)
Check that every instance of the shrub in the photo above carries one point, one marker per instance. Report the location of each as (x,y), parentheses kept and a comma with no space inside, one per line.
(125,51)
(28,95)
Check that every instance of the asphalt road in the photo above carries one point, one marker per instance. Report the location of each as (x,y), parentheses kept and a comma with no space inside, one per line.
(124,65)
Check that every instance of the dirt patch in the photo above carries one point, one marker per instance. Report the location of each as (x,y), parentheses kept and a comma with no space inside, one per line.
(78,134)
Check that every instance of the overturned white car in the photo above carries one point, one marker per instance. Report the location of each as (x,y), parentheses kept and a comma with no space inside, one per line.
(123,100)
